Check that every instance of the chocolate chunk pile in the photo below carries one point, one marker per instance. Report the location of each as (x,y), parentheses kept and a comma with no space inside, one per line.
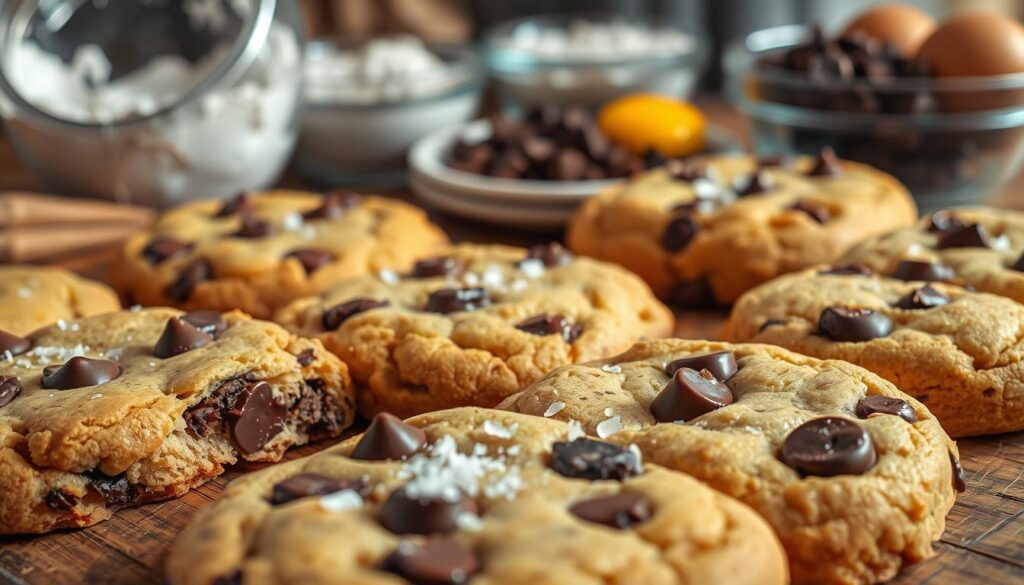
(548,144)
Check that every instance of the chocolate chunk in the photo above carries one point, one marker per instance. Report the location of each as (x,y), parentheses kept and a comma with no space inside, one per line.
(757,183)
(538,150)
(115,491)
(13,344)
(678,233)
(692,294)
(622,510)
(306,357)
(511,164)
(253,227)
(334,205)
(843,324)
(232,579)
(178,337)
(652,158)
(435,561)
(826,165)
(925,297)
(403,514)
(161,248)
(721,364)
(79,372)
(198,271)
(550,324)
(847,270)
(921,270)
(959,481)
(829,446)
(437,267)
(209,322)
(338,314)
(305,485)
(388,438)
(594,460)
(451,300)
(878,404)
(10,388)
(551,254)
(311,259)
(568,164)
(944,220)
(239,204)
(818,213)
(686,172)
(689,394)
(61,501)
(256,417)
(968,236)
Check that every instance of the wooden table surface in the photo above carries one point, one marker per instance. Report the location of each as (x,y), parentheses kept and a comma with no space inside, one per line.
(983,542)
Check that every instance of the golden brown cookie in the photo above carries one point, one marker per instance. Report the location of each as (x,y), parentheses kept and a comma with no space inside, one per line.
(480,497)
(34,296)
(705,233)
(259,252)
(476,324)
(959,352)
(135,406)
(855,477)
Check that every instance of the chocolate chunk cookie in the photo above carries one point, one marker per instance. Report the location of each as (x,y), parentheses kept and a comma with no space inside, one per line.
(703,234)
(136,406)
(854,476)
(485,498)
(476,324)
(952,349)
(258,252)
(35,296)
(977,247)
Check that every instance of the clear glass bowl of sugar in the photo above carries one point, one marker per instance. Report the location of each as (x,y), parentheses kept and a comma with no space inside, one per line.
(151,101)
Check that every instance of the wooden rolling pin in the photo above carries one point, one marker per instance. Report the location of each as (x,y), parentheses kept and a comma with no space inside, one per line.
(44,228)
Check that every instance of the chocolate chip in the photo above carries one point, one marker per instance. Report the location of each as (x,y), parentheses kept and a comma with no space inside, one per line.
(878,404)
(311,259)
(305,485)
(115,491)
(437,267)
(256,417)
(451,300)
(652,158)
(818,213)
(10,388)
(13,344)
(925,297)
(959,481)
(403,514)
(79,372)
(334,205)
(179,336)
(388,438)
(239,204)
(198,271)
(968,236)
(692,294)
(568,164)
(686,172)
(944,220)
(306,357)
(253,227)
(435,561)
(232,579)
(338,314)
(678,233)
(549,325)
(721,364)
(551,254)
(843,324)
(757,183)
(161,248)
(622,510)
(829,446)
(854,269)
(209,322)
(921,270)
(61,501)
(689,394)
(826,165)
(593,460)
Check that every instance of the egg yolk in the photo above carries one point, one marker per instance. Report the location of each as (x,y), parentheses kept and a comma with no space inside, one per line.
(641,122)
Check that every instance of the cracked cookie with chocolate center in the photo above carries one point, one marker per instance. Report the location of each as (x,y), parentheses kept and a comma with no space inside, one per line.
(135,406)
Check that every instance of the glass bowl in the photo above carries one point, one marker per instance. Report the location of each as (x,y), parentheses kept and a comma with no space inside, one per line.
(527,69)
(358,134)
(950,141)
(151,102)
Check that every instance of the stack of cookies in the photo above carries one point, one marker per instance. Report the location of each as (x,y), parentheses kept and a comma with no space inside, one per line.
(526,416)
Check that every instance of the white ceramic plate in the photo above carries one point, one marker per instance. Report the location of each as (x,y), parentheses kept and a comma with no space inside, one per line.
(544,217)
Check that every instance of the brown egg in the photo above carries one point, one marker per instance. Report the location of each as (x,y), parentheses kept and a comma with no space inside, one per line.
(904,26)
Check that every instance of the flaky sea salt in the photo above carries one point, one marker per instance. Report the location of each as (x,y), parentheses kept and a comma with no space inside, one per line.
(638,454)
(469,522)
(444,472)
(388,276)
(24,292)
(493,277)
(96,396)
(555,408)
(341,501)
(611,368)
(575,430)
(607,428)
(292,222)
(496,429)
(532,267)
(609,411)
